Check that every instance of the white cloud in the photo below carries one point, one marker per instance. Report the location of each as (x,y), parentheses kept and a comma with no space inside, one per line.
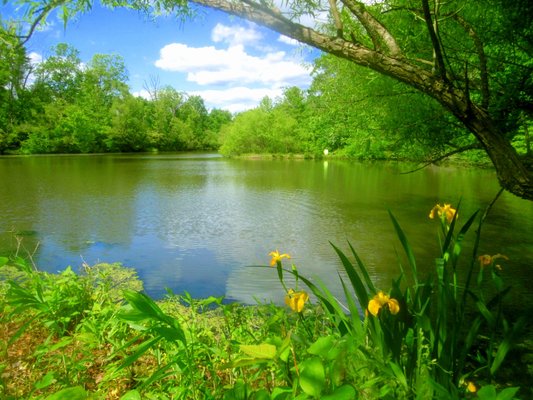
(145,94)
(35,58)
(237,98)
(288,40)
(208,65)
(235,35)
(231,77)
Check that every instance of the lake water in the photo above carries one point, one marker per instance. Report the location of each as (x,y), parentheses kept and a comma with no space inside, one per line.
(198,222)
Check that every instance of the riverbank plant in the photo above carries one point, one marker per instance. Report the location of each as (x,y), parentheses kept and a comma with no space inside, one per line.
(94,334)
(443,335)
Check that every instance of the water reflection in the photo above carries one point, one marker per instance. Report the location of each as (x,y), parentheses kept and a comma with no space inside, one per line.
(194,222)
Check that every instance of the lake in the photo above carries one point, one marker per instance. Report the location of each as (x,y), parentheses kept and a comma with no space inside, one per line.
(199,222)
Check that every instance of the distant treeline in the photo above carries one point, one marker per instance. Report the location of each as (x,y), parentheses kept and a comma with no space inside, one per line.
(62,105)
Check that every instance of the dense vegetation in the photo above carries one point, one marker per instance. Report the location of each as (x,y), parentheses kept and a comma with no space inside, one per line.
(64,105)
(446,335)
(96,335)
(70,107)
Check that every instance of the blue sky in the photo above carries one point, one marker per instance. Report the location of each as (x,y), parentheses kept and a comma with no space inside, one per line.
(230,62)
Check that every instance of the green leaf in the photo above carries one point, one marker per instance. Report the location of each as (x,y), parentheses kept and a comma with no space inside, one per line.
(73,393)
(139,351)
(264,350)
(261,394)
(281,393)
(487,393)
(3,261)
(363,269)
(356,281)
(406,246)
(131,395)
(398,373)
(345,392)
(46,381)
(322,346)
(508,393)
(312,376)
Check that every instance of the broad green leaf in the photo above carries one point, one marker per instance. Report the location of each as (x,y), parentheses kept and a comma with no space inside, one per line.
(281,393)
(508,393)
(322,346)
(46,381)
(487,393)
(312,376)
(131,395)
(345,392)
(73,393)
(3,261)
(261,394)
(264,350)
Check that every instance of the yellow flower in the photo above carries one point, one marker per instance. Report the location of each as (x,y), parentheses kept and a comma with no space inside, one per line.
(296,300)
(445,211)
(380,300)
(277,257)
(486,259)
(471,387)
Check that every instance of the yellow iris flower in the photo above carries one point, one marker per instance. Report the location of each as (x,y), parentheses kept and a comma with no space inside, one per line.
(277,257)
(471,387)
(486,259)
(380,300)
(296,300)
(445,211)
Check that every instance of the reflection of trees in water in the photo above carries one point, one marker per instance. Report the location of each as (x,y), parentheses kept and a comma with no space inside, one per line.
(186,222)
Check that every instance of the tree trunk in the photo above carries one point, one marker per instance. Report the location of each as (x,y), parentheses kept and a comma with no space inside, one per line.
(511,171)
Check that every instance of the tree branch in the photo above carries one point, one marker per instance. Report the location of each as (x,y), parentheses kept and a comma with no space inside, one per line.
(377,32)
(42,13)
(440,69)
(472,146)
(336,17)
(484,76)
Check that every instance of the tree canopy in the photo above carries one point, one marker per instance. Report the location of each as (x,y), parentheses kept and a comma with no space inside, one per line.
(473,58)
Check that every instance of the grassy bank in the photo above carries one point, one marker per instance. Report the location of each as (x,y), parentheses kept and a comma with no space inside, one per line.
(94,334)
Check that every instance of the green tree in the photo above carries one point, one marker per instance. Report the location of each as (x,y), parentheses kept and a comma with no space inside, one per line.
(269,128)
(216,120)
(368,115)
(455,52)
(165,129)
(130,124)
(59,77)
(14,99)
(194,115)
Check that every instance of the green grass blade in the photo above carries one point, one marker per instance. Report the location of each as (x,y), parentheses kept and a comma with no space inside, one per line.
(356,281)
(406,247)
(354,310)
(364,270)
(139,351)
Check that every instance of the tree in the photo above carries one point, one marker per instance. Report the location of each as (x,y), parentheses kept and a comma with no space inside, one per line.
(363,114)
(59,76)
(474,57)
(461,79)
(14,71)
